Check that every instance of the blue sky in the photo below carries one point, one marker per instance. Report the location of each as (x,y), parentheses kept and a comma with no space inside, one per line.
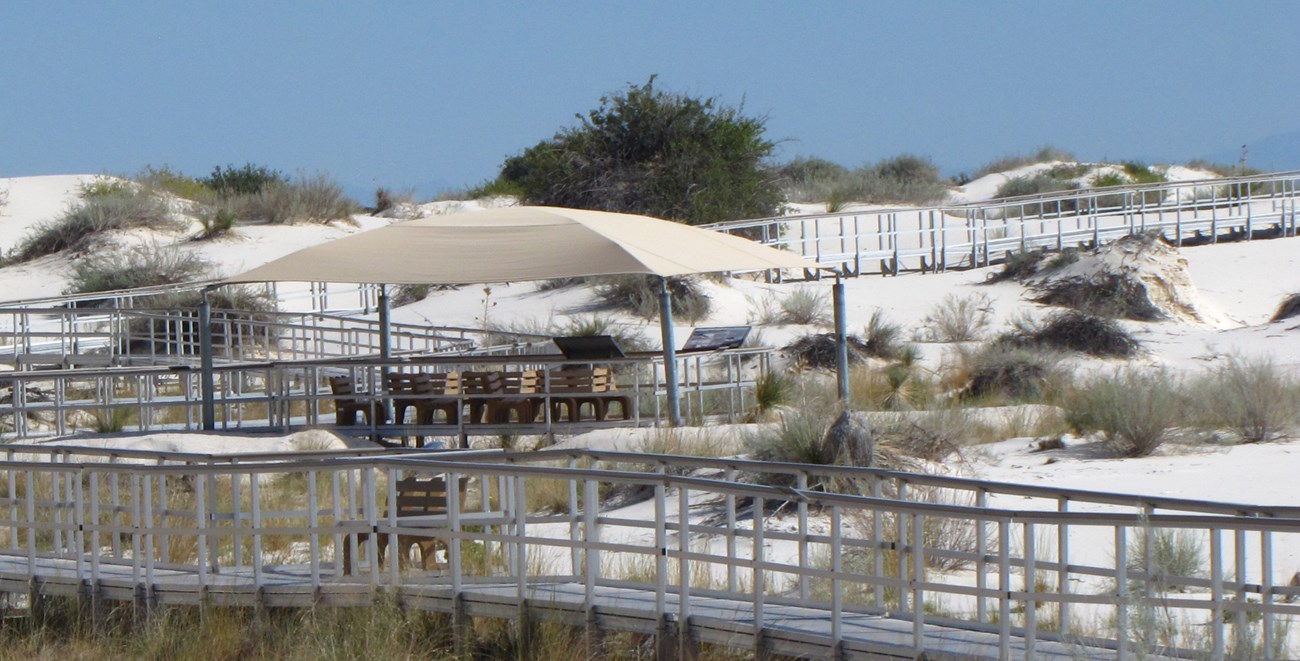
(433,95)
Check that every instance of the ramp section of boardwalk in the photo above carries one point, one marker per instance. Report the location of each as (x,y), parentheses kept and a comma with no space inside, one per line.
(841,562)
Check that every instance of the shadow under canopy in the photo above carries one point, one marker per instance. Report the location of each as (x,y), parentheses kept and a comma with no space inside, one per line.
(514,244)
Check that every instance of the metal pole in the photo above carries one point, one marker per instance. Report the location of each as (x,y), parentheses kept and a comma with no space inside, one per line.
(385,349)
(206,378)
(841,340)
(670,352)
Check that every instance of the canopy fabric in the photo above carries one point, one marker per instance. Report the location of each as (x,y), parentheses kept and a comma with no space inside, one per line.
(520,244)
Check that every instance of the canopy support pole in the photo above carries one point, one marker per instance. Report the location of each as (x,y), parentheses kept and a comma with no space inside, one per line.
(207,382)
(841,340)
(385,348)
(385,325)
(670,352)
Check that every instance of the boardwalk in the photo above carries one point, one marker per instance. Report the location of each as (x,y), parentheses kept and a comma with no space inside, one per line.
(715,618)
(603,540)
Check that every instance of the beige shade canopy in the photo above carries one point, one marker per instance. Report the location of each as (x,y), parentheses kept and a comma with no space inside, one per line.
(520,244)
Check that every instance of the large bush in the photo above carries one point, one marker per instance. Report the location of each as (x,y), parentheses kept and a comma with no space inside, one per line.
(652,152)
(245,180)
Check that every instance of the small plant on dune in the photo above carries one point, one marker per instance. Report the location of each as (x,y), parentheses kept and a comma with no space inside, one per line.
(105,186)
(172,181)
(958,319)
(99,213)
(1289,307)
(884,339)
(1018,266)
(629,339)
(141,266)
(1135,410)
(1141,173)
(805,306)
(1175,556)
(639,295)
(772,390)
(797,439)
(764,310)
(1252,397)
(1034,185)
(1108,179)
(1073,331)
(1015,374)
(310,199)
(216,222)
(903,179)
(818,351)
(408,294)
(1044,154)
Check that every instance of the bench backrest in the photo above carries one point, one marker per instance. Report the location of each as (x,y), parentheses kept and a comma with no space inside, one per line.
(424,495)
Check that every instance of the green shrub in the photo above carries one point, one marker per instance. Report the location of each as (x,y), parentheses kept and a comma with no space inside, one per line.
(904,179)
(1134,410)
(98,213)
(1140,173)
(1044,154)
(246,180)
(141,266)
(797,439)
(1074,331)
(652,152)
(771,390)
(1252,397)
(639,295)
(958,318)
(1105,179)
(498,187)
(1106,295)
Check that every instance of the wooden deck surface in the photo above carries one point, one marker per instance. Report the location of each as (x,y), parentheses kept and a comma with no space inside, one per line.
(789,630)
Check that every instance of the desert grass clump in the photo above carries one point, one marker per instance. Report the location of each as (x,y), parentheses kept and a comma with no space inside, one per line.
(1175,556)
(1252,397)
(96,214)
(799,438)
(818,351)
(247,179)
(171,181)
(1134,410)
(216,223)
(1289,307)
(1034,185)
(884,339)
(309,199)
(958,319)
(998,372)
(772,390)
(1106,295)
(1073,331)
(145,265)
(1018,266)
(810,179)
(805,306)
(639,295)
(629,339)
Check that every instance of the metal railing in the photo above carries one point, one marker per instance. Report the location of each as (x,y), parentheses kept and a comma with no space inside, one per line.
(281,395)
(712,558)
(889,241)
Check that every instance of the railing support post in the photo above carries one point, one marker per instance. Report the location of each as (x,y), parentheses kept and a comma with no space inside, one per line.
(670,352)
(841,341)
(207,379)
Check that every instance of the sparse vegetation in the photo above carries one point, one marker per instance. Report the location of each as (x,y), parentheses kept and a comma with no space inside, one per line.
(312,199)
(216,222)
(1044,154)
(806,306)
(1106,295)
(1010,373)
(1252,397)
(174,182)
(96,214)
(248,179)
(1135,410)
(884,339)
(818,351)
(1073,331)
(639,295)
(1034,185)
(141,266)
(957,319)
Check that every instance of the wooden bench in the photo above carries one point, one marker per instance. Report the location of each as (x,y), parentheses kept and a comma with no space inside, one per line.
(347,405)
(416,496)
(427,394)
(573,388)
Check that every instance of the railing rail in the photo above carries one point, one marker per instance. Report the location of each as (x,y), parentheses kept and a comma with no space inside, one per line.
(890,241)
